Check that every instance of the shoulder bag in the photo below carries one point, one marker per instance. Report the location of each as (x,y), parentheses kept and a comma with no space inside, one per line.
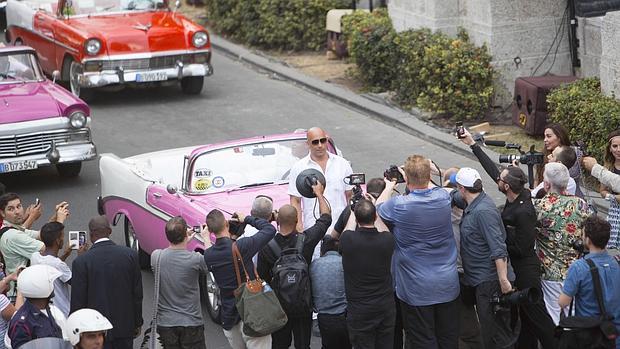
(151,337)
(258,307)
(588,332)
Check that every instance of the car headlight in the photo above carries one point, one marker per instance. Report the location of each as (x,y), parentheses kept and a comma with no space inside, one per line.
(92,46)
(77,119)
(200,39)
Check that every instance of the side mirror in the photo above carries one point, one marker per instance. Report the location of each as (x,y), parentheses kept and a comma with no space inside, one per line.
(177,4)
(55,75)
(171,189)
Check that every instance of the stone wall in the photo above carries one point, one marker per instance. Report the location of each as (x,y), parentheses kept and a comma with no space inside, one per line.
(522,30)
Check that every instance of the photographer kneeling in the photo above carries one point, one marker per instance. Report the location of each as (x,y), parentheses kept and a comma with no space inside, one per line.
(519,219)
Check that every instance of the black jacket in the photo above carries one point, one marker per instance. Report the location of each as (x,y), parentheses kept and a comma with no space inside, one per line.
(107,278)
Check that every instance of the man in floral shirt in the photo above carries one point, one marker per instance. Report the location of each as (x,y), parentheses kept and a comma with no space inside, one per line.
(560,217)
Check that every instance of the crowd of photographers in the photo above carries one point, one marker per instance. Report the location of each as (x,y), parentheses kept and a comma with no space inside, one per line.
(436,265)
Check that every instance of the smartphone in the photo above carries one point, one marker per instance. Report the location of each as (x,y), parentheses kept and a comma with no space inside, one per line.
(37,202)
(77,239)
(460,130)
(82,238)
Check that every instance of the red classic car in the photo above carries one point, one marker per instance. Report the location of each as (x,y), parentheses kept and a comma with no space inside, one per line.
(95,43)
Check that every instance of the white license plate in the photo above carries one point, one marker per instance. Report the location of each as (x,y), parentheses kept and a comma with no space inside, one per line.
(18,166)
(151,76)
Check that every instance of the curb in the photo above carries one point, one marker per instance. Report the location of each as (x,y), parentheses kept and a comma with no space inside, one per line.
(404,121)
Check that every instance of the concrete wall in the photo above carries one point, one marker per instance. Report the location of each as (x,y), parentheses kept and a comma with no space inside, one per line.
(523,29)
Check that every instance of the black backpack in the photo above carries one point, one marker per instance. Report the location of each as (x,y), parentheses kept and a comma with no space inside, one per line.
(291,278)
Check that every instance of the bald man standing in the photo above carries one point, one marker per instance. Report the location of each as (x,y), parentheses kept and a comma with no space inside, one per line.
(333,167)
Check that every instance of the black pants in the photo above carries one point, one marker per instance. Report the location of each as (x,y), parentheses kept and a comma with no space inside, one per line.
(118,343)
(372,330)
(499,329)
(300,328)
(181,337)
(334,332)
(399,333)
(432,326)
(536,324)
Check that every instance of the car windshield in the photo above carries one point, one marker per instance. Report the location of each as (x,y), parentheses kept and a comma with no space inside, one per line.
(18,67)
(84,7)
(245,166)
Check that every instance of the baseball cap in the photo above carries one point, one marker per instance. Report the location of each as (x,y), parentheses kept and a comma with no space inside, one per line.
(467,176)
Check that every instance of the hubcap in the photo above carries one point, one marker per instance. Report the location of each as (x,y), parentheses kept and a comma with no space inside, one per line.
(131,238)
(213,292)
(74,72)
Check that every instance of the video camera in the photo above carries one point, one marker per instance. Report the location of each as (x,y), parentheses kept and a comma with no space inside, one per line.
(531,158)
(356,180)
(392,173)
(527,296)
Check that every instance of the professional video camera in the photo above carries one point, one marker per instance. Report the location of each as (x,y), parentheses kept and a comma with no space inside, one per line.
(356,180)
(392,173)
(527,296)
(530,158)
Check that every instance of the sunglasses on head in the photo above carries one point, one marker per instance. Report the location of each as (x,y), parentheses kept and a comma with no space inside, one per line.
(316,141)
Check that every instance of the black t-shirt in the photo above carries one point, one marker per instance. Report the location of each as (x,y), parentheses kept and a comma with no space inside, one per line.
(366,260)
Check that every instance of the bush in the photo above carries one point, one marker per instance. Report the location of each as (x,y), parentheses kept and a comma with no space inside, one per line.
(280,24)
(371,44)
(586,112)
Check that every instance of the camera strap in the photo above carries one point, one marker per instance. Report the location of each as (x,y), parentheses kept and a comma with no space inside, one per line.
(598,290)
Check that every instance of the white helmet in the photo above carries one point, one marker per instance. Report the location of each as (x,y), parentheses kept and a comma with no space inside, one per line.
(37,281)
(85,320)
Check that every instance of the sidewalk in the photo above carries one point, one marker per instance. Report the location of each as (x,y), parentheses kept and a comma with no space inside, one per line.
(402,120)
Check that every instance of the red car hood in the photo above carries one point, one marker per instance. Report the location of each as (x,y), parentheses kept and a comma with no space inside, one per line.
(121,33)
(26,102)
(241,200)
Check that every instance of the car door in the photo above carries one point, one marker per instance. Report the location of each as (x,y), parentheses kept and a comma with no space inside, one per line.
(43,25)
(158,197)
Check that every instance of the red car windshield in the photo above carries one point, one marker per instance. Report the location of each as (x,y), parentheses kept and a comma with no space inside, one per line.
(85,7)
(245,166)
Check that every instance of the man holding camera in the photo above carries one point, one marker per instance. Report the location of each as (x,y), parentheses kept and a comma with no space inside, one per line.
(424,264)
(333,167)
(485,257)
(219,260)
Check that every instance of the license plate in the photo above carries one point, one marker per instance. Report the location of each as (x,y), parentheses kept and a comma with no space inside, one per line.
(151,76)
(18,166)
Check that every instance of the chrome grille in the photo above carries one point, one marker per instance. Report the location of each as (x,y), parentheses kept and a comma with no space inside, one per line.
(158,62)
(35,143)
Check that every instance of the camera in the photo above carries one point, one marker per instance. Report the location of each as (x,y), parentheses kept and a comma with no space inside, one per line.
(578,246)
(393,173)
(197,229)
(529,158)
(526,296)
(460,130)
(235,227)
(356,179)
(581,145)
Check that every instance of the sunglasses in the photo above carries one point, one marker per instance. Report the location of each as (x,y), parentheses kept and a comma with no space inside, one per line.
(316,141)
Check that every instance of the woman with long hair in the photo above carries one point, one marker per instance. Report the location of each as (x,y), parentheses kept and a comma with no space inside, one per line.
(555,136)
(612,163)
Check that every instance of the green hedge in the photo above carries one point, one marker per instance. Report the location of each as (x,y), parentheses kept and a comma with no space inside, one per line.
(279,24)
(430,70)
(586,112)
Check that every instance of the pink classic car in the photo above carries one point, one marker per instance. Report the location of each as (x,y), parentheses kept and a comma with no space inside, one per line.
(144,191)
(41,123)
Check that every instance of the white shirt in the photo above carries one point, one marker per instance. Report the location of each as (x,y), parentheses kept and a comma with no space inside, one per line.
(62,295)
(570,188)
(336,169)
(248,232)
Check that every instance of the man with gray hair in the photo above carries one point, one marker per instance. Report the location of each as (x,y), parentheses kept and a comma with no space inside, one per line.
(560,216)
(262,207)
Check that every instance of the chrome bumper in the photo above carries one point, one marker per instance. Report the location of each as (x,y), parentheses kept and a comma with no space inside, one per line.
(68,153)
(120,76)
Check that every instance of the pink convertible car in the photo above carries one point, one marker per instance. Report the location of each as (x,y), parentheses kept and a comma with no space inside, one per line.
(41,123)
(144,191)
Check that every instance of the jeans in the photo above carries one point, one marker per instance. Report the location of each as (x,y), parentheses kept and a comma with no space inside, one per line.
(431,326)
(182,337)
(238,340)
(499,327)
(334,333)
(298,327)
(372,330)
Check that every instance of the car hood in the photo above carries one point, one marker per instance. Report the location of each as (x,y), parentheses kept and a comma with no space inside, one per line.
(137,32)
(34,101)
(241,200)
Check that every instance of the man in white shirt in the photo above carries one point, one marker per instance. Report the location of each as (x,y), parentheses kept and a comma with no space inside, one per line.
(333,167)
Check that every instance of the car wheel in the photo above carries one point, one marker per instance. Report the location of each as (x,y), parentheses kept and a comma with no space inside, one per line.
(210,296)
(69,169)
(131,241)
(75,70)
(192,85)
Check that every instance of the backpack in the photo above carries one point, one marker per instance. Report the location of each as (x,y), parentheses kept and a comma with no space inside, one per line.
(291,278)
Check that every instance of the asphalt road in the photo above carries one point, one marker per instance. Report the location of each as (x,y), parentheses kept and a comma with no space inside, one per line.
(237,102)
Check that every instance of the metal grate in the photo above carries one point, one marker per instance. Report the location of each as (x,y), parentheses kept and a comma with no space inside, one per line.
(159,62)
(35,143)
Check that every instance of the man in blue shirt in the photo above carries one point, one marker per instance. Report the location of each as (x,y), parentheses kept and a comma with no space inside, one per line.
(424,262)
(328,296)
(578,283)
